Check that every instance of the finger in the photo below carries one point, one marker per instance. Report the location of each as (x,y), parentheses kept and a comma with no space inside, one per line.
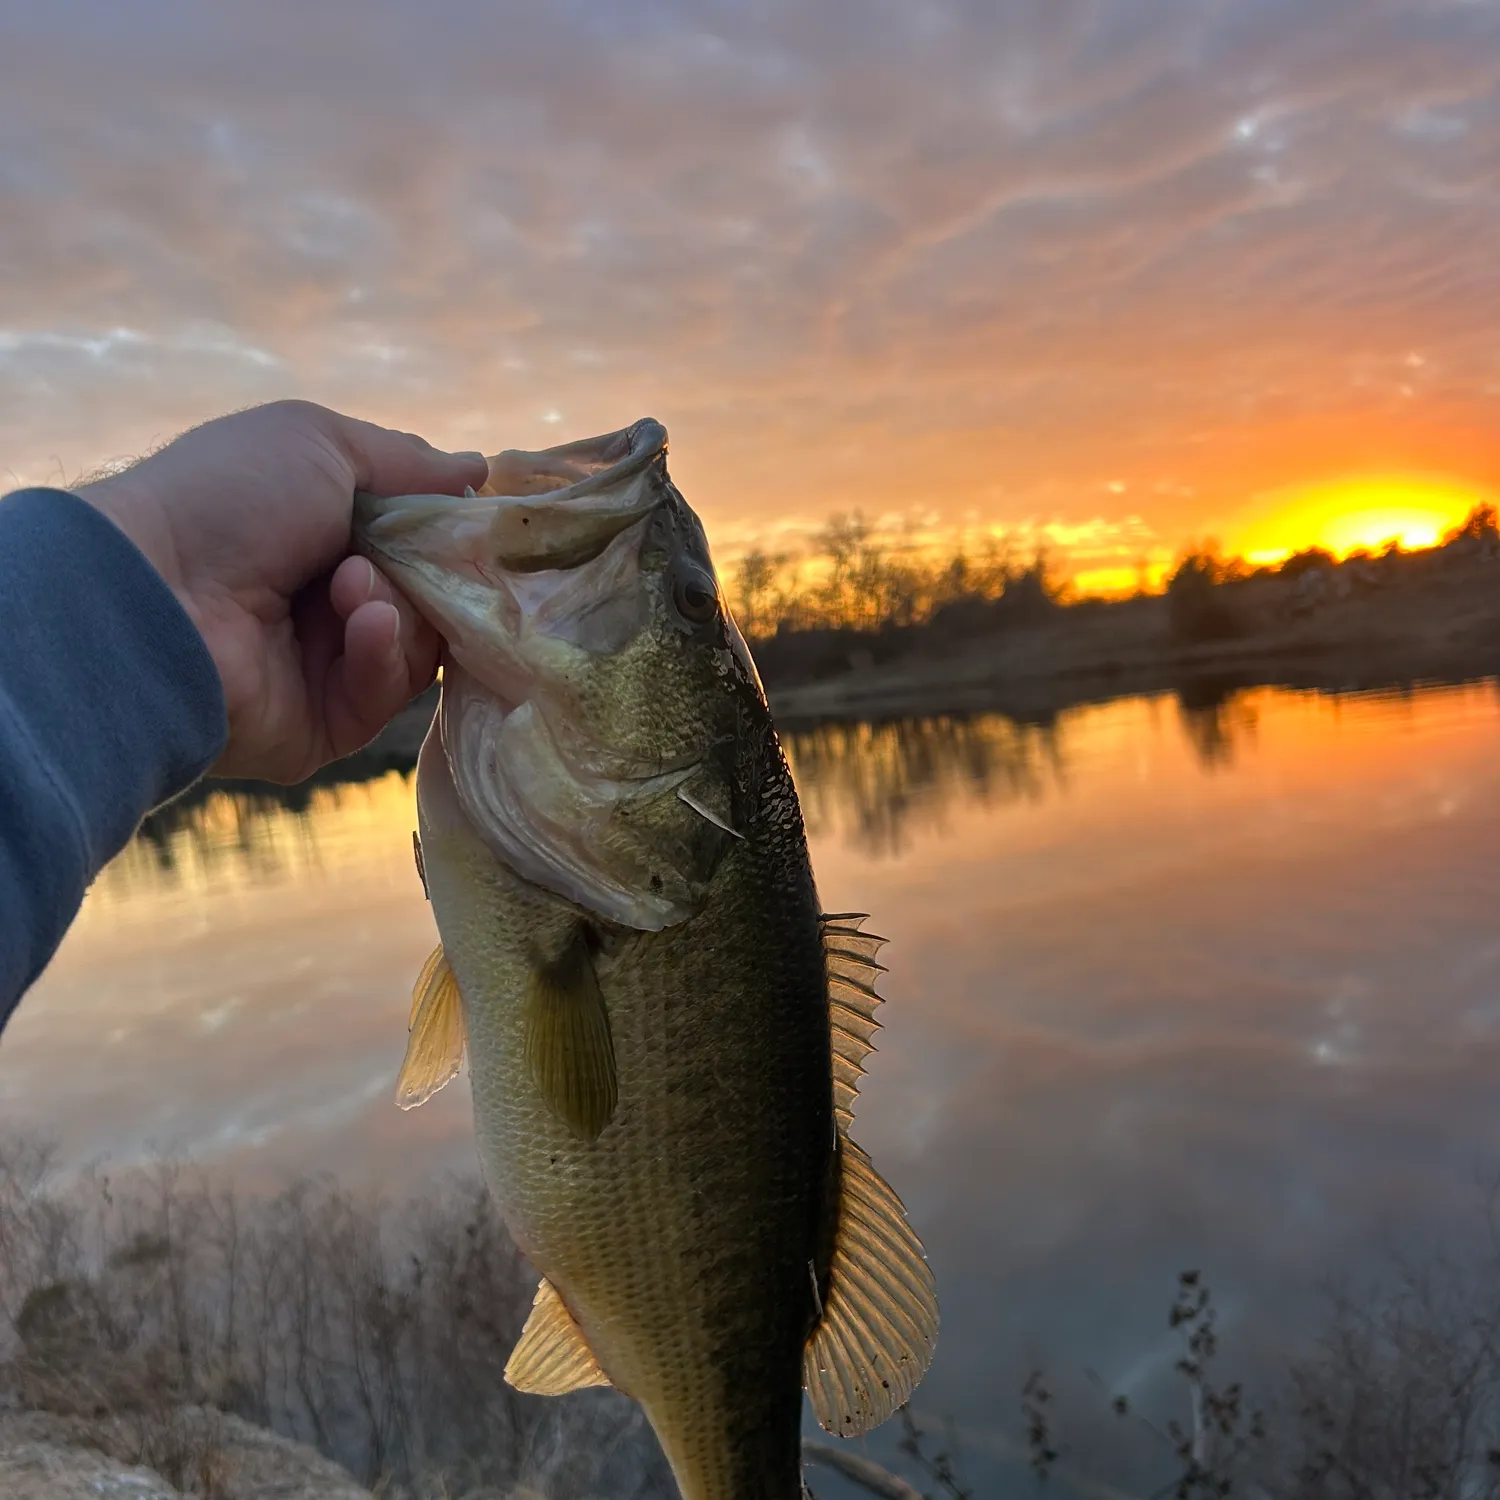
(357,581)
(386,462)
(390,655)
(320,644)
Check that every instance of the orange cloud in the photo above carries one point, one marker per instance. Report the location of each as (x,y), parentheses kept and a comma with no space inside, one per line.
(1004,262)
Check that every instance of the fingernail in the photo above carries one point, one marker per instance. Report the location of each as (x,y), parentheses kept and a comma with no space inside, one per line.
(394,649)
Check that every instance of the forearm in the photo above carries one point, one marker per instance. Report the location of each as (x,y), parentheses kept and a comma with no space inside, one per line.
(109,705)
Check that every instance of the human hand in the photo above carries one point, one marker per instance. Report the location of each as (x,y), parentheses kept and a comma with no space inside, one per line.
(247,519)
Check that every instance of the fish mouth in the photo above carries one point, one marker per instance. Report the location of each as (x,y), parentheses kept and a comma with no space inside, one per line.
(561,562)
(556,508)
(547,550)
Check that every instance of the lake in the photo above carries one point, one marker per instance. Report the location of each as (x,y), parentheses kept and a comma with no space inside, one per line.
(1170,987)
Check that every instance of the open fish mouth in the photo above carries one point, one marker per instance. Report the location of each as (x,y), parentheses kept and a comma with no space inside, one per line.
(553,509)
(558,590)
(546,557)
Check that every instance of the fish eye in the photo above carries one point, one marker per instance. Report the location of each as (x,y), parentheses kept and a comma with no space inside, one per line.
(694,595)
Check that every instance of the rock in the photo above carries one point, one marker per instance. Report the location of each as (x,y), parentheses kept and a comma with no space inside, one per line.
(43,1471)
(47,1456)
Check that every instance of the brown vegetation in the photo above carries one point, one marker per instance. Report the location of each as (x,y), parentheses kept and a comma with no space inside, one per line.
(143,1305)
(150,1316)
(1398,1398)
(861,582)
(855,581)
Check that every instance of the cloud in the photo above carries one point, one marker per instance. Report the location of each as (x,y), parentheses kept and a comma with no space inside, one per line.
(950,258)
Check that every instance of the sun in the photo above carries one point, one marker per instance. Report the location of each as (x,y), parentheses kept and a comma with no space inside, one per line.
(1364,512)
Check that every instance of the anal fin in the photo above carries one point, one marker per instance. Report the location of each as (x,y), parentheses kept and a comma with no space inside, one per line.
(435,1046)
(569,1049)
(552,1357)
(880,1318)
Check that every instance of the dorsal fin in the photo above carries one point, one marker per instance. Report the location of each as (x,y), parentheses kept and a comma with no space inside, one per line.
(552,1357)
(435,1047)
(849,956)
(880,1319)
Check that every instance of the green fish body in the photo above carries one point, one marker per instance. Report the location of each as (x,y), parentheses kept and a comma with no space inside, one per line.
(664,1032)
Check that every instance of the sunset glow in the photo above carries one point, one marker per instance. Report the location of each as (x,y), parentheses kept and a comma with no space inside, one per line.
(1093,301)
(1360,513)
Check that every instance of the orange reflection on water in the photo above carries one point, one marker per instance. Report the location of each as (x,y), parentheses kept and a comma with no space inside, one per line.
(1153,885)
(1134,868)
(243,989)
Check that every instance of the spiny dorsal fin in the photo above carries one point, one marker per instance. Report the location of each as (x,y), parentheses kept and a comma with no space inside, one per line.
(552,1357)
(880,1320)
(435,1047)
(569,1049)
(849,956)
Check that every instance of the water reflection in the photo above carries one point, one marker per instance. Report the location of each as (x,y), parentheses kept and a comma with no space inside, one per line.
(261,828)
(1218,722)
(873,784)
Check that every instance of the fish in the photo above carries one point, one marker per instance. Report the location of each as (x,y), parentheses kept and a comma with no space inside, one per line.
(664,1031)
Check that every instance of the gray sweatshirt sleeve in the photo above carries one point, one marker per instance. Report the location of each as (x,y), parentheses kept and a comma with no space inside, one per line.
(109,705)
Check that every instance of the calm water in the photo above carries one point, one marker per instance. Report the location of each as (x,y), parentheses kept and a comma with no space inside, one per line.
(1216,989)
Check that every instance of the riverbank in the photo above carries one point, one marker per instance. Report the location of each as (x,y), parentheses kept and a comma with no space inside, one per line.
(1390,622)
(1034,675)
(1437,620)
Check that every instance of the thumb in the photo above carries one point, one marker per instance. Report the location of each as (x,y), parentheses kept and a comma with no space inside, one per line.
(387,462)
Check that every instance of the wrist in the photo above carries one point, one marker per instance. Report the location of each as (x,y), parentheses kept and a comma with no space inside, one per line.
(123,500)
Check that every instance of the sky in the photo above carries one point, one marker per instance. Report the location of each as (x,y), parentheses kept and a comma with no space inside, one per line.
(1113,274)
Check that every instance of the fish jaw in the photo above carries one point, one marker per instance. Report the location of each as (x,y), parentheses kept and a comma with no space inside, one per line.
(551,511)
(525,586)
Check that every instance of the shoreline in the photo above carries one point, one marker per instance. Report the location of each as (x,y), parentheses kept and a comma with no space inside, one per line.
(1437,625)
(1035,686)
(1200,679)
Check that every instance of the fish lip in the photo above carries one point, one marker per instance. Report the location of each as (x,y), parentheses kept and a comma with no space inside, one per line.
(642,443)
(623,454)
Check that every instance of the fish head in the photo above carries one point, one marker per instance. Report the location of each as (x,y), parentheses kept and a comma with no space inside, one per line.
(596,690)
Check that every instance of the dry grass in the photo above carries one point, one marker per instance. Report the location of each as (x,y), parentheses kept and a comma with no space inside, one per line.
(376,1332)
(148,1313)
(1396,1398)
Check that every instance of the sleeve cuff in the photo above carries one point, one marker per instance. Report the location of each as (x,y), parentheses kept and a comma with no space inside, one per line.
(105,675)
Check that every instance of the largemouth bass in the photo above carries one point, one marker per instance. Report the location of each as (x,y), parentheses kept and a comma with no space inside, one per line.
(664,1031)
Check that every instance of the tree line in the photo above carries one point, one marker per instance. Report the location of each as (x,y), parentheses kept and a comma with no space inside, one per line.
(853,578)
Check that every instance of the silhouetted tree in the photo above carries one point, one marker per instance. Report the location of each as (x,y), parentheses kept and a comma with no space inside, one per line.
(1196,610)
(1306,561)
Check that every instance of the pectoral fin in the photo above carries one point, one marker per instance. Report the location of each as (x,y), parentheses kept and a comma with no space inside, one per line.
(552,1357)
(569,1049)
(880,1318)
(435,1047)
